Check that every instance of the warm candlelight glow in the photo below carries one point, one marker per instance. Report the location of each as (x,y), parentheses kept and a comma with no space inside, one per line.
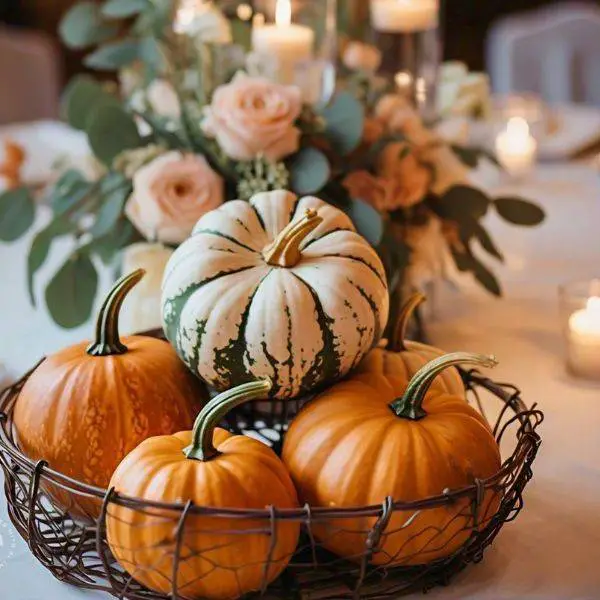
(516,148)
(403,80)
(403,16)
(244,12)
(283,13)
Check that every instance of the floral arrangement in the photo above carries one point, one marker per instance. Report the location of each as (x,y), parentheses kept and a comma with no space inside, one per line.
(166,156)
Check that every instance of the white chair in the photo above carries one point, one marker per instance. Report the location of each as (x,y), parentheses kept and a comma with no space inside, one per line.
(30,76)
(553,52)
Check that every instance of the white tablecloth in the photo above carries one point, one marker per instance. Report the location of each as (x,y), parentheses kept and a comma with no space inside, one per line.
(550,551)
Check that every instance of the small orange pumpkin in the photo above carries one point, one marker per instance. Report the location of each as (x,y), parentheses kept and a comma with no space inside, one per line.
(221,556)
(363,441)
(400,359)
(85,407)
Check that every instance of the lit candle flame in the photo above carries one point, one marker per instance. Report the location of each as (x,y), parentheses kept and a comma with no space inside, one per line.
(517,127)
(283,12)
(593,305)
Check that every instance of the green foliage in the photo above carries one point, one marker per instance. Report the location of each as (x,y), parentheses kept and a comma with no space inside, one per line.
(83,26)
(344,119)
(395,256)
(119,9)
(113,56)
(114,190)
(111,130)
(81,97)
(17,213)
(367,220)
(71,292)
(462,202)
(470,156)
(309,170)
(519,211)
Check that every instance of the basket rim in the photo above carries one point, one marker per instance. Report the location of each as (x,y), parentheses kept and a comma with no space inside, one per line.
(527,440)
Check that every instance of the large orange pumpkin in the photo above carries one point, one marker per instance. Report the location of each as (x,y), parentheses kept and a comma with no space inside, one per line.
(84,408)
(363,441)
(222,557)
(400,359)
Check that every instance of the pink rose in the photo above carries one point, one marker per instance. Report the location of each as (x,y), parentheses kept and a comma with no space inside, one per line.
(170,194)
(361,57)
(252,116)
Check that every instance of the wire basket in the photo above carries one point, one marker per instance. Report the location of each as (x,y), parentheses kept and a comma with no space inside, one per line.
(79,553)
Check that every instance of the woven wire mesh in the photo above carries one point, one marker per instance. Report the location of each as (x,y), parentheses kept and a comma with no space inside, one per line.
(182,549)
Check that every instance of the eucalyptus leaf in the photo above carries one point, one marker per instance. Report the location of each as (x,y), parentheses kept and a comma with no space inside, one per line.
(81,97)
(108,246)
(111,130)
(68,191)
(344,118)
(112,206)
(122,9)
(309,170)
(113,56)
(38,253)
(17,213)
(462,202)
(151,54)
(519,211)
(368,221)
(83,26)
(71,292)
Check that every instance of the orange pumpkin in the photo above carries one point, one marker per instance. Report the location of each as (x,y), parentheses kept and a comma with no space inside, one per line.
(84,408)
(221,556)
(363,441)
(400,359)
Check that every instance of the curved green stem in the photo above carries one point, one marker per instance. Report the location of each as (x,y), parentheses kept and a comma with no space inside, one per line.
(396,343)
(202,447)
(410,405)
(285,250)
(108,342)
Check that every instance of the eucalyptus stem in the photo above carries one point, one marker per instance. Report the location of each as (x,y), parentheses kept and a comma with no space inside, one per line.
(410,405)
(107,341)
(285,250)
(202,447)
(397,341)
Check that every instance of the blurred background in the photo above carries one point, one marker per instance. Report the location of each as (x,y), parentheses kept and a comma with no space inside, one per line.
(484,35)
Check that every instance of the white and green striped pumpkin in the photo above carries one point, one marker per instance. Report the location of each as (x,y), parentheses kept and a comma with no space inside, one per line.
(280,287)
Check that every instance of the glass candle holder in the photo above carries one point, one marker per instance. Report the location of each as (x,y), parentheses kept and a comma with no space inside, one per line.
(294,42)
(408,34)
(580,317)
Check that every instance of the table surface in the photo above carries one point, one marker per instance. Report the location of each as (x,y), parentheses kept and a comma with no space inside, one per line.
(550,551)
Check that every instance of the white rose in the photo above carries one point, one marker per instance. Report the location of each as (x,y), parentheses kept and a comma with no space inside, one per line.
(203,21)
(163,100)
(141,310)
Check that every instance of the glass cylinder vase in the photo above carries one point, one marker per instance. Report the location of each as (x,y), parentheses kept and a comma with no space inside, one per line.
(408,34)
(294,42)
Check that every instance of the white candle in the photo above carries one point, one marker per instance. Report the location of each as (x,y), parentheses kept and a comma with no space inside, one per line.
(584,340)
(289,44)
(404,16)
(516,148)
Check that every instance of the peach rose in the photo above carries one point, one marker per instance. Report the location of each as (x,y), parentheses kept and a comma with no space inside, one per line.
(252,116)
(398,116)
(407,179)
(170,194)
(362,185)
(361,57)
(12,158)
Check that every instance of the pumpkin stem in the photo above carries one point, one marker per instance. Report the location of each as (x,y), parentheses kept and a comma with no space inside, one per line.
(285,250)
(107,341)
(202,447)
(410,405)
(406,312)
